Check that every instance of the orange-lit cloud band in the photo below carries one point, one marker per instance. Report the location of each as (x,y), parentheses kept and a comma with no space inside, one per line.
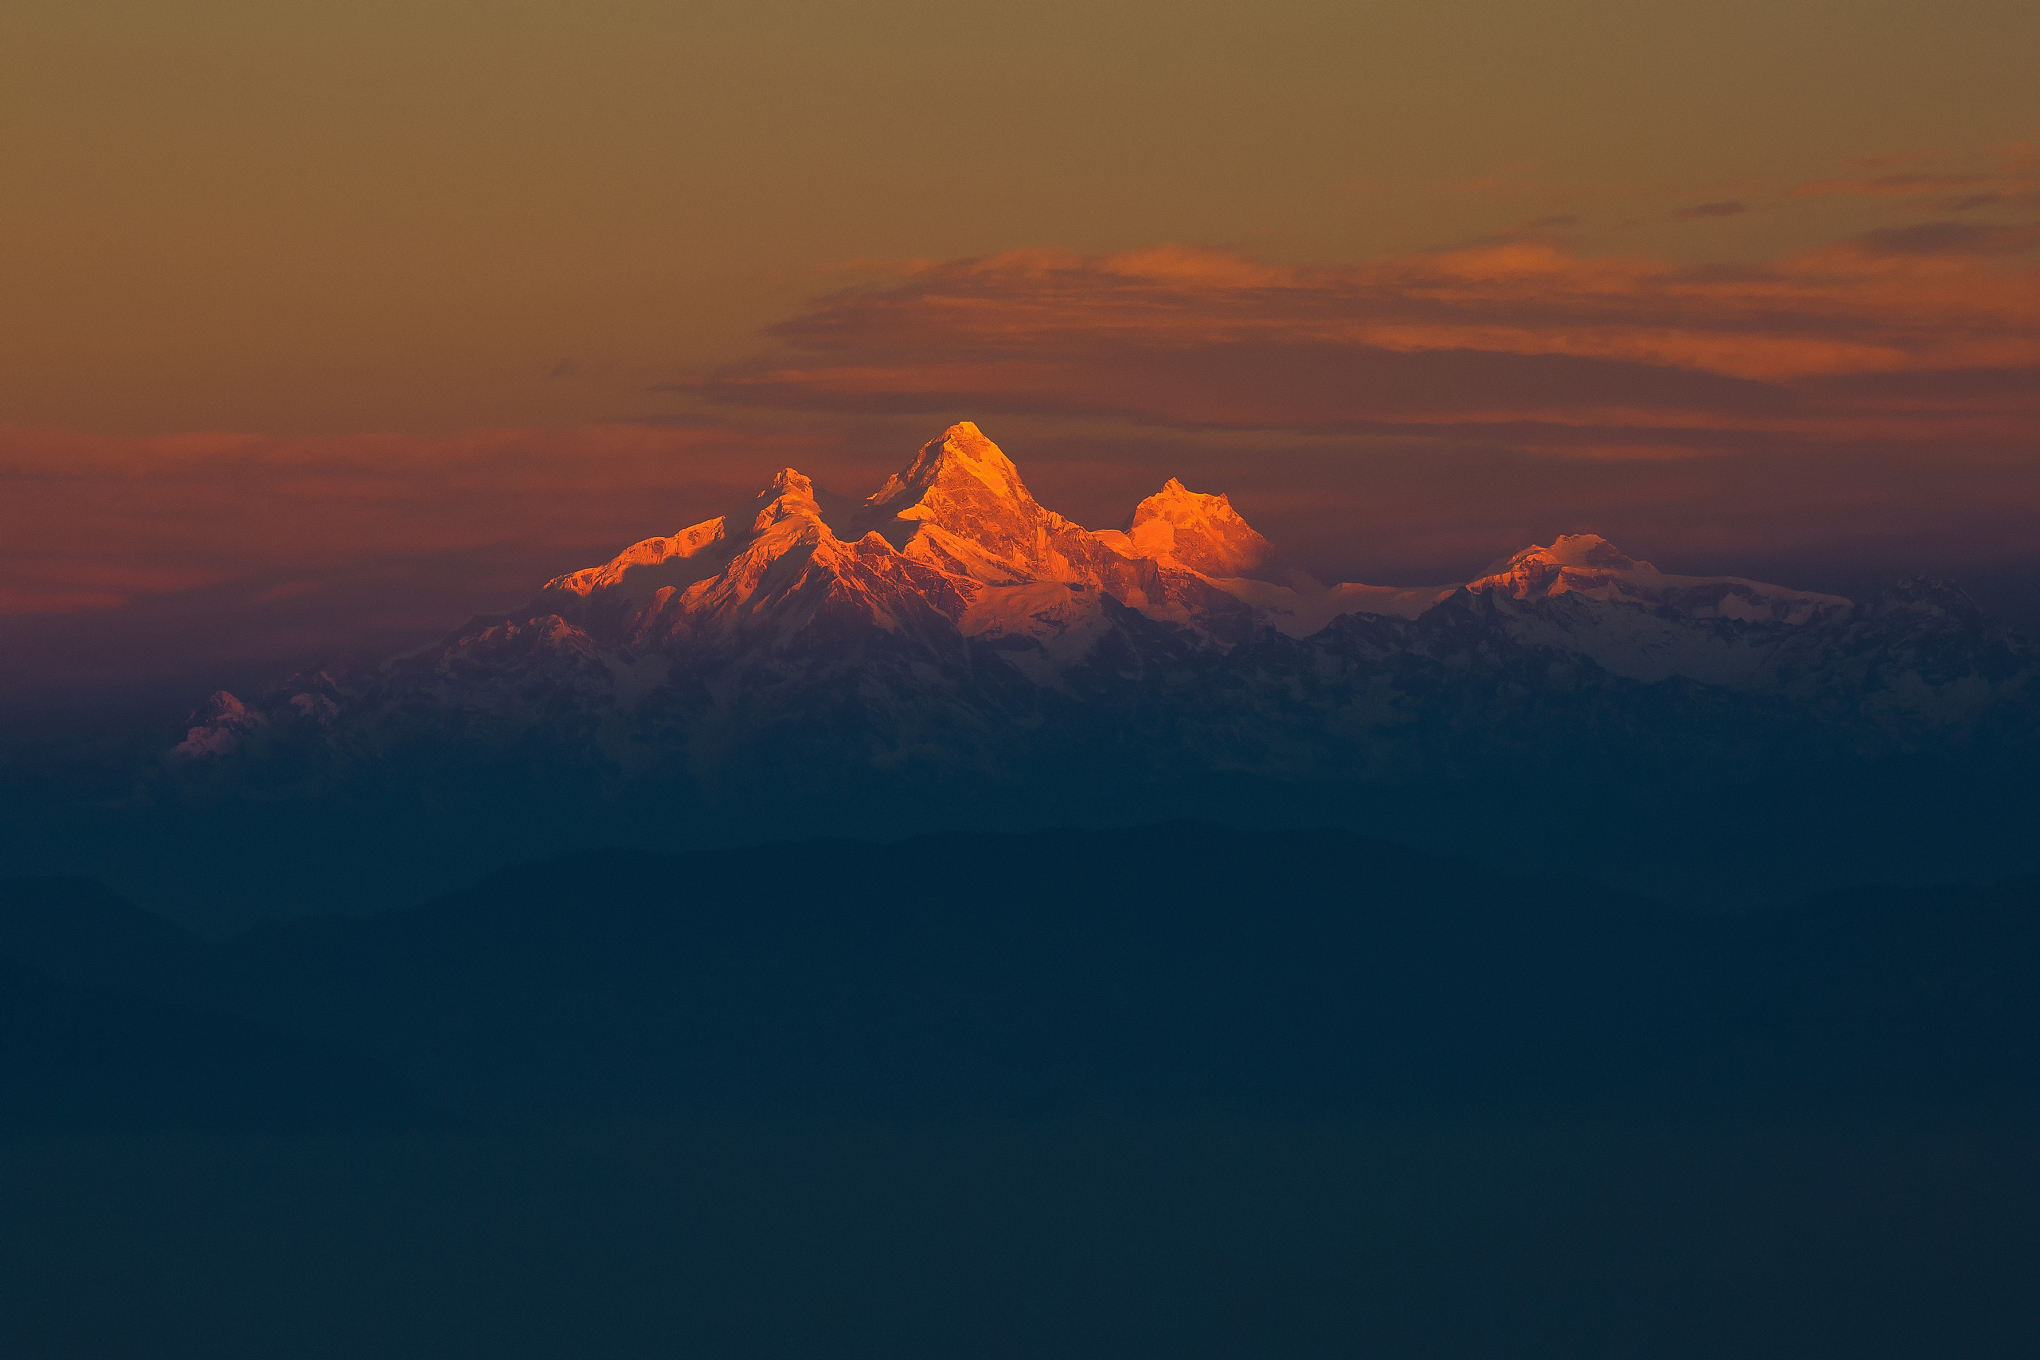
(1921,334)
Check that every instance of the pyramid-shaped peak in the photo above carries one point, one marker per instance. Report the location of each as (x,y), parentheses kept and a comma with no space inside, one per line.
(959,465)
(962,450)
(962,506)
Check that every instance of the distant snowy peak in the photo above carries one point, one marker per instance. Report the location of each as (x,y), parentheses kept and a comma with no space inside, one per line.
(1582,552)
(1198,532)
(1590,566)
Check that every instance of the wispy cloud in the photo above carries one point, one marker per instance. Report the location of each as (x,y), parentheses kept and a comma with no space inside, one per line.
(1911,184)
(2009,178)
(1944,239)
(1724,208)
(1598,355)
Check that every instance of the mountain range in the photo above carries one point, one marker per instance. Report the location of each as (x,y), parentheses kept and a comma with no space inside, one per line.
(950,620)
(949,654)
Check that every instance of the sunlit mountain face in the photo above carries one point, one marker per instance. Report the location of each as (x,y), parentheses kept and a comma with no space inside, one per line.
(947,651)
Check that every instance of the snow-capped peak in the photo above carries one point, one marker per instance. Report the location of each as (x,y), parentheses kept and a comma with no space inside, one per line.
(791,494)
(962,450)
(1590,566)
(786,506)
(1572,550)
(1201,532)
(960,506)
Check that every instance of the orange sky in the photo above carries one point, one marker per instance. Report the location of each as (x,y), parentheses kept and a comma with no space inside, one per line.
(301,295)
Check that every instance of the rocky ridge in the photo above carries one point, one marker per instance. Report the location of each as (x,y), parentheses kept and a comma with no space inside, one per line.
(951,621)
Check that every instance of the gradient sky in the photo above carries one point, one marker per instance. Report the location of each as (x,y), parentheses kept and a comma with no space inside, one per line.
(378,313)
